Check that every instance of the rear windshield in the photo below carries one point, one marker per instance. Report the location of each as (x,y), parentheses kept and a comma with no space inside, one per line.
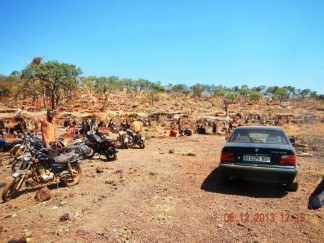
(258,136)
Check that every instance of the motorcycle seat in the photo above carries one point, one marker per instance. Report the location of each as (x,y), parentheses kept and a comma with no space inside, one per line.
(64,158)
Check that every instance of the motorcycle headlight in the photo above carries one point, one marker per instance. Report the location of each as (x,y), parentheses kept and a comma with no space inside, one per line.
(19,153)
(27,157)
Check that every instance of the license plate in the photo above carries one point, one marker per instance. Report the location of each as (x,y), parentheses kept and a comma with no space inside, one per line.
(255,158)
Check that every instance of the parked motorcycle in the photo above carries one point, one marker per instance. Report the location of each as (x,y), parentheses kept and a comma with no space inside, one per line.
(185,131)
(135,139)
(114,127)
(6,145)
(20,147)
(123,139)
(31,139)
(43,169)
(101,146)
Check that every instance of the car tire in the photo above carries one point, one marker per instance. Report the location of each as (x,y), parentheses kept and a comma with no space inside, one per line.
(293,186)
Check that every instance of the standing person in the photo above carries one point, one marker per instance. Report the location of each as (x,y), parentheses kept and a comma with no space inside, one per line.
(48,129)
(215,127)
(73,125)
(136,126)
(230,125)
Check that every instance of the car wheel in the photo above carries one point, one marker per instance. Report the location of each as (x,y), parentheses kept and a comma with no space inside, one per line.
(293,186)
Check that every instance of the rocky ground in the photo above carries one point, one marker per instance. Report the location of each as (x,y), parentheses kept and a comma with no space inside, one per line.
(170,191)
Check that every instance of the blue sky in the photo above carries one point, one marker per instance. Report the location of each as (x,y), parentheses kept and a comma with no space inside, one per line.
(221,42)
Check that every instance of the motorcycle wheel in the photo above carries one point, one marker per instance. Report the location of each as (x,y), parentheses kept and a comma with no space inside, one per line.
(91,154)
(15,165)
(141,144)
(13,151)
(2,149)
(77,174)
(110,154)
(130,143)
(11,189)
(125,145)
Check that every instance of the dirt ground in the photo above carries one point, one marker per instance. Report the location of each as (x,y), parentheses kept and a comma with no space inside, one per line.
(152,195)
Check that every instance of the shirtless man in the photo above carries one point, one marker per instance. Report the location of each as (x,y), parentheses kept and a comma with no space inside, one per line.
(48,130)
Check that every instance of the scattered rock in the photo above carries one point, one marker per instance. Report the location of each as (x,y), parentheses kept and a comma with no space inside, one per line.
(65,217)
(171,151)
(110,182)
(28,234)
(62,203)
(81,232)
(191,154)
(219,226)
(43,194)
(99,170)
(21,238)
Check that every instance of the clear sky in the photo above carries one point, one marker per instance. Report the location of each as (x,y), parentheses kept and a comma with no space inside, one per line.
(221,42)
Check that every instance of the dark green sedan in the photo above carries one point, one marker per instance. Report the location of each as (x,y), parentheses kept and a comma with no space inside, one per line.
(260,153)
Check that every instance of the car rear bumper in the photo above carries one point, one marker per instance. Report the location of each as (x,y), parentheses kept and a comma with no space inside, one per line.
(258,173)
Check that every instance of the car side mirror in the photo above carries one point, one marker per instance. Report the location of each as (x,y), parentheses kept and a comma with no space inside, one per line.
(292,139)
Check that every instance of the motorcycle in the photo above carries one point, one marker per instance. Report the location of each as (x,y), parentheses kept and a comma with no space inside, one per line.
(31,139)
(185,131)
(101,146)
(123,138)
(114,127)
(2,133)
(5,145)
(43,169)
(19,147)
(135,139)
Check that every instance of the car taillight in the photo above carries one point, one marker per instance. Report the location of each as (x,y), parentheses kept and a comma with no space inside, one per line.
(227,157)
(288,160)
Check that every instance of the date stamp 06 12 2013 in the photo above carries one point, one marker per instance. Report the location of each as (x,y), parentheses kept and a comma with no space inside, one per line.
(246,217)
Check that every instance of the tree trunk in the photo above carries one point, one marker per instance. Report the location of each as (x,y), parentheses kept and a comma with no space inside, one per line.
(53,100)
(44,99)
(57,100)
(104,102)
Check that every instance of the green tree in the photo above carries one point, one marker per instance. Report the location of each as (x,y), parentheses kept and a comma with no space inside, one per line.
(127,84)
(197,90)
(281,93)
(304,93)
(180,88)
(226,94)
(143,84)
(313,94)
(169,87)
(153,92)
(255,95)
(53,76)
(219,91)
(9,86)
(261,88)
(270,92)
(244,92)
(89,83)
